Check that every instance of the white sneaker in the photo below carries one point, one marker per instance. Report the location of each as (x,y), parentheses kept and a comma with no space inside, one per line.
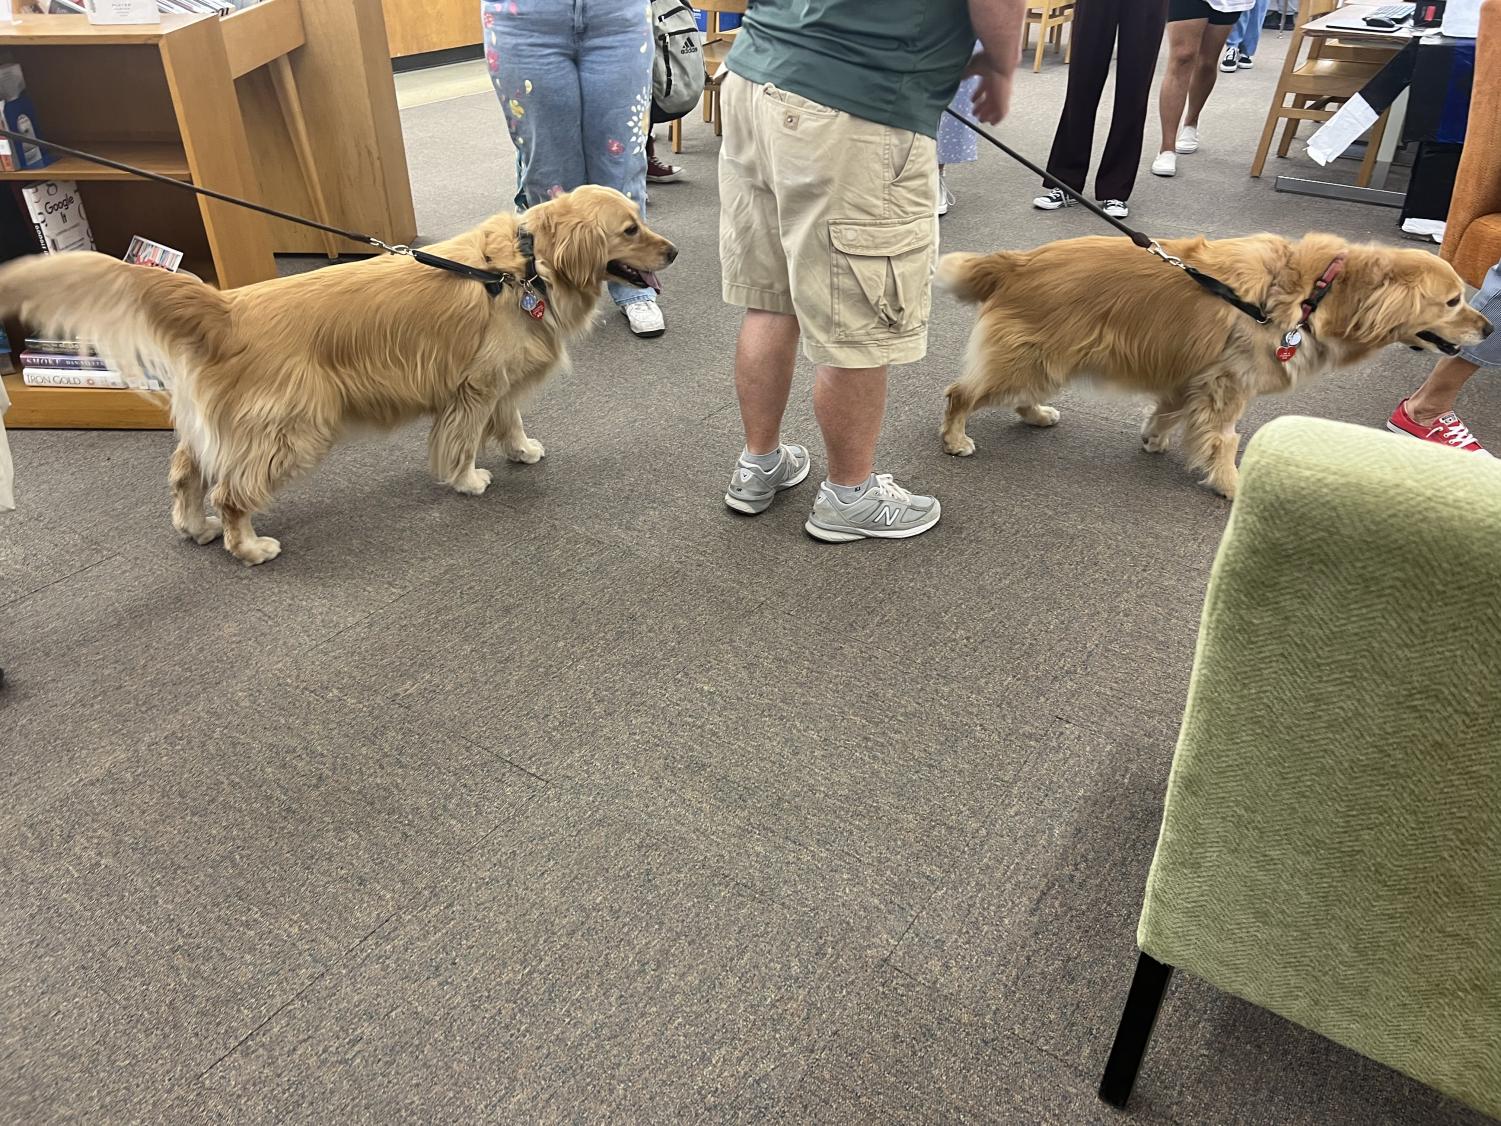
(884,510)
(1188,140)
(1053,200)
(752,489)
(1166,164)
(1244,61)
(945,197)
(646,318)
(1115,208)
(1230,60)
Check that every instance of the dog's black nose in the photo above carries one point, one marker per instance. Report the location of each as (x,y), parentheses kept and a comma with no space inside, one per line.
(1487,330)
(672,254)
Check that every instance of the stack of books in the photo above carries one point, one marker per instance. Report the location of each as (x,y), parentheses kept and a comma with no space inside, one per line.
(66,363)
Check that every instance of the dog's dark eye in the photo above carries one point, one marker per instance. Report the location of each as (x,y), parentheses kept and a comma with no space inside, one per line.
(632,231)
(1453,301)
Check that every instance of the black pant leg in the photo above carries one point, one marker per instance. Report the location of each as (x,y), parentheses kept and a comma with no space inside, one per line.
(1093,42)
(1141,39)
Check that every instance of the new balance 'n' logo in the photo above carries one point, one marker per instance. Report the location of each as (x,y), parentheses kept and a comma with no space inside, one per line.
(887,515)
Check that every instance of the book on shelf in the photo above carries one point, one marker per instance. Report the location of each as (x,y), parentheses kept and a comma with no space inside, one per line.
(107,379)
(56,211)
(59,347)
(63,361)
(144,252)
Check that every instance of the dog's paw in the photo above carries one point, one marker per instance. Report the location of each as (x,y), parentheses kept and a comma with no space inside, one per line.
(528,452)
(1155,443)
(1225,486)
(962,446)
(473,483)
(205,529)
(257,550)
(1040,415)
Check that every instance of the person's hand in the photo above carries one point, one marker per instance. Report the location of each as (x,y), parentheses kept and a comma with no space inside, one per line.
(992,97)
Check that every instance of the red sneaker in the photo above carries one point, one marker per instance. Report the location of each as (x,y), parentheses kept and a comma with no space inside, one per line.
(1447,430)
(657,171)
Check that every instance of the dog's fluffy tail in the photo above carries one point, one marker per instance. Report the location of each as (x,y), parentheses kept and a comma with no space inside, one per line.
(135,316)
(973,277)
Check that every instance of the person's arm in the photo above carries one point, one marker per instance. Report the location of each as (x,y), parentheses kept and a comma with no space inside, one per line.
(998,26)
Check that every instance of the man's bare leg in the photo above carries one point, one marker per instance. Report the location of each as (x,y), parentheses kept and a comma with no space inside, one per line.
(850,404)
(853,504)
(765,356)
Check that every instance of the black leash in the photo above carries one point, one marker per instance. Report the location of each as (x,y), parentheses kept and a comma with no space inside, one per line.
(493,280)
(1210,284)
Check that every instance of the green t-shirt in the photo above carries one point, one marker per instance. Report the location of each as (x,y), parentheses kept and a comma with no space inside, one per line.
(897,62)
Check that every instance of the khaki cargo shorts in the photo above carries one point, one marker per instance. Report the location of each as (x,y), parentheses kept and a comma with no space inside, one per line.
(831,218)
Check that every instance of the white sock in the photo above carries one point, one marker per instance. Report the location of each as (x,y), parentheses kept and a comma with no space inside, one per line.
(850,493)
(764,462)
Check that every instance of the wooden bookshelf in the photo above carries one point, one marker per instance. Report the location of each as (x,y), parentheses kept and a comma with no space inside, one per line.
(161,96)
(84,408)
(284,103)
(165,158)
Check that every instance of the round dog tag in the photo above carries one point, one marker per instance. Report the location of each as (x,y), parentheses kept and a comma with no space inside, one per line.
(1292,338)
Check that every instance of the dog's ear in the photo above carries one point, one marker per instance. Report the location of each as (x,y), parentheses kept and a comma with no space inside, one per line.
(573,244)
(1388,309)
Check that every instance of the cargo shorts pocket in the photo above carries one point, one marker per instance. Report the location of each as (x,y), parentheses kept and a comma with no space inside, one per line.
(880,277)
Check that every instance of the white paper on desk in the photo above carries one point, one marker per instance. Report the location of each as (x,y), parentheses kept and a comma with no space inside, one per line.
(1461,19)
(6,14)
(1342,130)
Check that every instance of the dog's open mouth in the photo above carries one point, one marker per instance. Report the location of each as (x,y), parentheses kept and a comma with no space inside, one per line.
(1439,342)
(643,279)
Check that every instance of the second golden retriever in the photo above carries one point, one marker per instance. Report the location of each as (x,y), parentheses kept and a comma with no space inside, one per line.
(265,378)
(1104,308)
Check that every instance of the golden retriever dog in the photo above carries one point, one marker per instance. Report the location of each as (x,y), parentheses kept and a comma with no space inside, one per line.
(1103,308)
(266,378)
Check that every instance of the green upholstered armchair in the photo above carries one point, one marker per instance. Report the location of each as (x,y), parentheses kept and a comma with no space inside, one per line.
(1331,838)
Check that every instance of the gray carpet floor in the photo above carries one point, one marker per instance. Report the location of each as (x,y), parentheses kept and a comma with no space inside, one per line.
(589,800)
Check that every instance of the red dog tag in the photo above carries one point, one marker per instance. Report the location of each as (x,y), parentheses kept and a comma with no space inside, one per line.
(1286,352)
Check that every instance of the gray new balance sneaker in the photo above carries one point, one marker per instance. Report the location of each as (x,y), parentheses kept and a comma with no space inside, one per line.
(884,510)
(752,488)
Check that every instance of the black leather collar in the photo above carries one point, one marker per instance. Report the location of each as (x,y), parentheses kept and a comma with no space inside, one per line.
(530,277)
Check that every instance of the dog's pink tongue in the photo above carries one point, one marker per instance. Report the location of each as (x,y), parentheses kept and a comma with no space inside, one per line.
(652,280)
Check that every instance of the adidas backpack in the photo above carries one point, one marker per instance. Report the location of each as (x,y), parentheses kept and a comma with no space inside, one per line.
(677,73)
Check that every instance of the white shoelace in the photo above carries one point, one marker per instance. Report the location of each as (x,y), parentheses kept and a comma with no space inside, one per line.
(887,489)
(1458,434)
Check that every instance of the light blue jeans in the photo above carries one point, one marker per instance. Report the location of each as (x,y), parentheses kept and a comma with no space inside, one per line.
(1247,33)
(574,80)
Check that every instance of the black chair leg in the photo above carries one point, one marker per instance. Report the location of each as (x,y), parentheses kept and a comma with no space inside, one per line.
(1147,987)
